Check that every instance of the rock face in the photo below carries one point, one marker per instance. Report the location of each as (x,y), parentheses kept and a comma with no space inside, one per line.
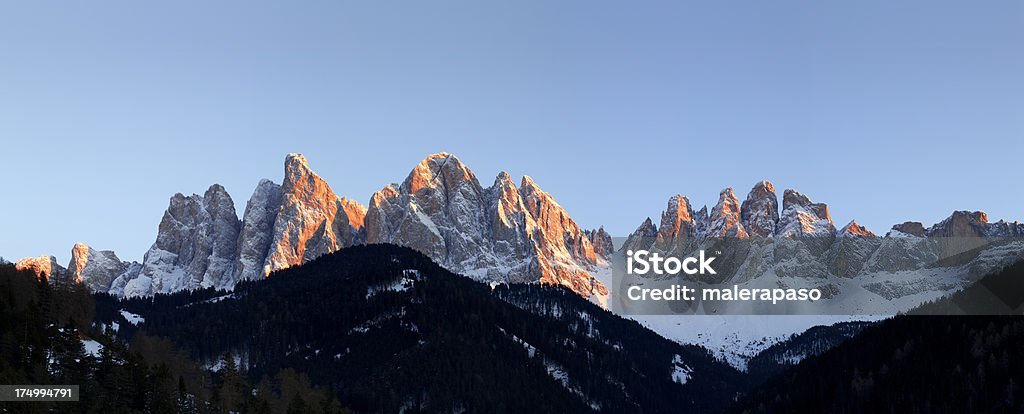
(642,236)
(196,245)
(760,211)
(257,230)
(801,247)
(678,230)
(499,233)
(602,242)
(516,234)
(1003,228)
(312,220)
(853,229)
(45,267)
(725,220)
(961,224)
(97,269)
(802,218)
(913,228)
(201,243)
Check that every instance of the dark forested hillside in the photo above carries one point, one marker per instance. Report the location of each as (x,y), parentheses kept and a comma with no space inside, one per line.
(46,338)
(915,363)
(814,341)
(384,328)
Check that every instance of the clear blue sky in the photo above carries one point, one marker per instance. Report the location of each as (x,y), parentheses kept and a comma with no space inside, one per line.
(888,111)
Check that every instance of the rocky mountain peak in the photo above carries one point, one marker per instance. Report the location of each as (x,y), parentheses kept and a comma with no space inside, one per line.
(311,221)
(913,228)
(725,220)
(961,224)
(439,170)
(43,266)
(852,229)
(802,218)
(97,269)
(257,230)
(760,211)
(678,228)
(500,233)
(602,242)
(195,246)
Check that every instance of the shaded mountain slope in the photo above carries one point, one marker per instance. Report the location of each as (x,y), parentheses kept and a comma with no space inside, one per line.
(385,328)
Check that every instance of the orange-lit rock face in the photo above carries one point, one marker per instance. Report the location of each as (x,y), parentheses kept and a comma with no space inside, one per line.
(312,220)
(854,229)
(79,260)
(725,217)
(678,227)
(499,233)
(97,269)
(760,211)
(45,267)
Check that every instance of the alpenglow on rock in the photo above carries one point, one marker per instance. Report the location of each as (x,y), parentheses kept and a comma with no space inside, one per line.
(802,218)
(43,267)
(602,242)
(725,218)
(760,211)
(97,269)
(499,233)
(312,220)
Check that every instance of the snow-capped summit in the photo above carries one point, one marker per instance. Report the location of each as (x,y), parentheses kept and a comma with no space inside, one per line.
(760,211)
(802,218)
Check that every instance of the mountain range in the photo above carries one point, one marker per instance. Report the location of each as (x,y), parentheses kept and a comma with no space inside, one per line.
(506,233)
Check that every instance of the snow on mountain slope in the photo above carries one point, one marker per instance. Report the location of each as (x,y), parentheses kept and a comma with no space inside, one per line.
(736,338)
(500,234)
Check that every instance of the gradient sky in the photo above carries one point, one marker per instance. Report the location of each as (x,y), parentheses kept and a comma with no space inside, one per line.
(887,111)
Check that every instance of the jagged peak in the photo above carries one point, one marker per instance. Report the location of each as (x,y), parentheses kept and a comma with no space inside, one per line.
(794,197)
(760,210)
(914,228)
(296,160)
(647,228)
(727,195)
(504,180)
(765,185)
(854,229)
(962,223)
(725,220)
(677,211)
(216,188)
(296,168)
(442,164)
(527,182)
